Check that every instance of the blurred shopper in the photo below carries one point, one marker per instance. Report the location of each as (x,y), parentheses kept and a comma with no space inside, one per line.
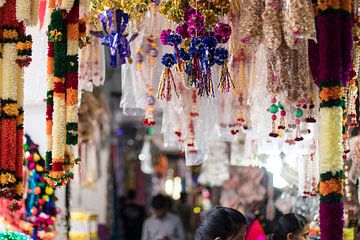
(291,226)
(162,225)
(133,216)
(184,211)
(222,223)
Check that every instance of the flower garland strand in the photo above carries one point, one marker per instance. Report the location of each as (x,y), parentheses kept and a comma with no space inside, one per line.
(66,35)
(57,34)
(15,52)
(334,29)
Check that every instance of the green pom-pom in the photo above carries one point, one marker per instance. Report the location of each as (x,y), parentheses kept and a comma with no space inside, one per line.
(280,106)
(298,113)
(150,131)
(273,108)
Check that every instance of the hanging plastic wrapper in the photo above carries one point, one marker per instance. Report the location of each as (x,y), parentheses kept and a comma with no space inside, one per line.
(215,170)
(299,22)
(92,63)
(251,22)
(257,82)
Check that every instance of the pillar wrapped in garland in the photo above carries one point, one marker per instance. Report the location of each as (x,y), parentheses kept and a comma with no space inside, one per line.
(15,52)
(330,61)
(62,96)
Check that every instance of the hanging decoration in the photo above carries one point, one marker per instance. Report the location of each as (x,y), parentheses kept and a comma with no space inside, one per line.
(40,209)
(196,43)
(331,64)
(13,236)
(62,97)
(15,54)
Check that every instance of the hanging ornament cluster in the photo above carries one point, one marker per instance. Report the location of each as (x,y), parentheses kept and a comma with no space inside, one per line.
(286,27)
(174,10)
(40,209)
(64,34)
(15,54)
(196,49)
(135,9)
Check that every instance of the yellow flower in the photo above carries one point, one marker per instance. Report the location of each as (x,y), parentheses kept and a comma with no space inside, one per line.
(11,178)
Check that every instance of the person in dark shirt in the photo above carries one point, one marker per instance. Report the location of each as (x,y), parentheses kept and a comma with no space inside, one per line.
(133,216)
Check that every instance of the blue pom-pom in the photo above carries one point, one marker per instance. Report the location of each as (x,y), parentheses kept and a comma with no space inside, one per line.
(183,55)
(195,42)
(174,39)
(210,42)
(168,60)
(221,55)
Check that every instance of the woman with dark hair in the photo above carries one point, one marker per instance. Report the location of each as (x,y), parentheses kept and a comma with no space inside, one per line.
(222,223)
(291,226)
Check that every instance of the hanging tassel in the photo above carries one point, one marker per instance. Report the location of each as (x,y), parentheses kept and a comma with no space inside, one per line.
(225,82)
(273,109)
(310,118)
(298,113)
(206,86)
(194,73)
(166,79)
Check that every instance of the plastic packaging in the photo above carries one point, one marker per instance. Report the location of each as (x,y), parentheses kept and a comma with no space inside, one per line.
(251,22)
(298,22)
(272,25)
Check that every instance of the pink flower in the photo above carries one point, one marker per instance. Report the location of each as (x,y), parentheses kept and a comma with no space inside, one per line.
(182,30)
(164,36)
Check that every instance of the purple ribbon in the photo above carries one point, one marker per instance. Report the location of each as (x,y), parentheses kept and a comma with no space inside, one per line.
(116,41)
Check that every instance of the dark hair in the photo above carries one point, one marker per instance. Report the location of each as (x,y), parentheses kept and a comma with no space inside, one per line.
(289,223)
(221,222)
(131,194)
(159,202)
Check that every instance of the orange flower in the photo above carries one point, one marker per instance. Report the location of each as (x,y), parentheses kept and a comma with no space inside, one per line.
(71,96)
(332,186)
(324,94)
(10,34)
(11,109)
(3,179)
(50,66)
(333,93)
(73,32)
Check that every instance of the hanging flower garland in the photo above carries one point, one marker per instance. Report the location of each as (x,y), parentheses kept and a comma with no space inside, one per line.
(62,119)
(40,200)
(334,47)
(15,52)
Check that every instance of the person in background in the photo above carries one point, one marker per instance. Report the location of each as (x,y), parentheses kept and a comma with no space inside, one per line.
(222,223)
(162,225)
(133,216)
(184,211)
(291,226)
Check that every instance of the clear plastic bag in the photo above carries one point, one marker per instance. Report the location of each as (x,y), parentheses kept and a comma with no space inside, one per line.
(251,22)
(272,25)
(298,22)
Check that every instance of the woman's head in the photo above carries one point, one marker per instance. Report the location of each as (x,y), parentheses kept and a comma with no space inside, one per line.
(222,223)
(291,226)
